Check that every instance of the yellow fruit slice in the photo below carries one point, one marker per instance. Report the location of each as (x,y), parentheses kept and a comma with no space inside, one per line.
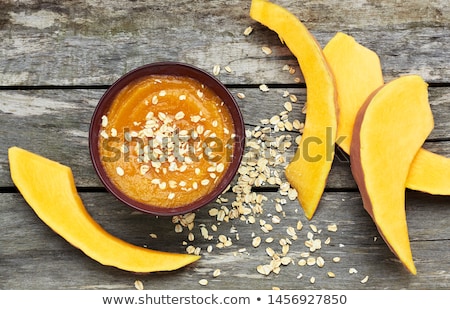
(49,189)
(385,141)
(309,169)
(357,72)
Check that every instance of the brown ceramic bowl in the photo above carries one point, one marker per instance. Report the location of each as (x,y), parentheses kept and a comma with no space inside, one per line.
(174,69)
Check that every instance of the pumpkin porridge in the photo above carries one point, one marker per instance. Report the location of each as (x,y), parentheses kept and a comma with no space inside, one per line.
(166,140)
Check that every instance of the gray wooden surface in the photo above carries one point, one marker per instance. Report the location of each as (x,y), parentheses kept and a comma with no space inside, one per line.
(57,59)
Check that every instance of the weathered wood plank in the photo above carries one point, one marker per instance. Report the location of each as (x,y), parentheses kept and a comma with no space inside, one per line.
(77,43)
(34,257)
(55,124)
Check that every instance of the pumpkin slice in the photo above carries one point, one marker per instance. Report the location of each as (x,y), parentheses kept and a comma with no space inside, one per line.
(386,138)
(309,169)
(49,189)
(357,72)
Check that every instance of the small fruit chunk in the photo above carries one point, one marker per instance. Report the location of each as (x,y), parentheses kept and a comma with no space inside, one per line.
(386,138)
(310,167)
(357,72)
(49,189)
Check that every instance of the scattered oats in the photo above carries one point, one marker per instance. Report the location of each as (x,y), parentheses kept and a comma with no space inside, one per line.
(162,93)
(375,239)
(299,225)
(178,228)
(190,249)
(312,280)
(216,273)
(288,106)
(220,167)
(274,119)
(228,69)
(293,98)
(313,227)
(191,236)
(264,87)
(320,261)
(113,132)
(179,115)
(300,275)
(270,252)
(153,236)
(352,271)
(302,262)
(310,261)
(204,182)
(269,240)
(209,249)
(275,288)
(104,121)
(276,219)
(256,241)
(331,274)
(240,95)
(139,285)
(291,231)
(216,69)
(182,97)
(120,171)
(327,241)
(366,278)
(204,232)
(264,269)
(292,194)
(336,259)
(286,260)
(248,30)
(332,227)
(104,134)
(297,124)
(266,50)
(203,282)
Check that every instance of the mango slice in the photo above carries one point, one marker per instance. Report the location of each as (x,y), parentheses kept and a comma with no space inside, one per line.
(49,189)
(386,138)
(310,167)
(357,71)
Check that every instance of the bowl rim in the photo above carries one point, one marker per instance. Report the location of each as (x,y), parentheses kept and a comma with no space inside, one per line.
(174,69)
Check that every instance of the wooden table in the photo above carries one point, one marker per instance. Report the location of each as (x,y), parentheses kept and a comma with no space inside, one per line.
(58,58)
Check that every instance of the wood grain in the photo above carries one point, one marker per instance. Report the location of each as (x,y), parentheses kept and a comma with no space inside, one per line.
(78,43)
(33,258)
(57,59)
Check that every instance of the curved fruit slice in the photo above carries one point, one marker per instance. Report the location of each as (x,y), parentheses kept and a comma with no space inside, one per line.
(49,189)
(309,169)
(357,72)
(385,141)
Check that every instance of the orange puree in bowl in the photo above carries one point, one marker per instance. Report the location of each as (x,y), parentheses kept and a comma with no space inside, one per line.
(166,140)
